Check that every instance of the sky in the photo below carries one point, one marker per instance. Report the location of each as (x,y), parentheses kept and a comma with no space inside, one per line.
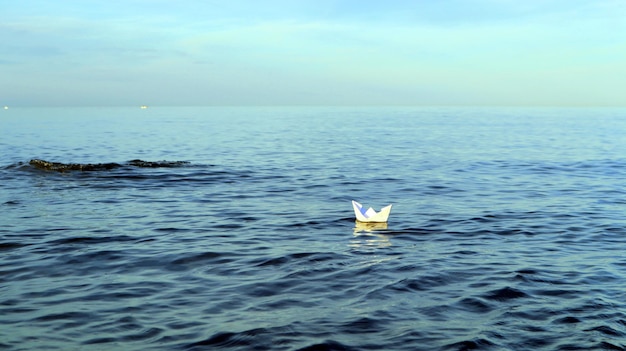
(313,52)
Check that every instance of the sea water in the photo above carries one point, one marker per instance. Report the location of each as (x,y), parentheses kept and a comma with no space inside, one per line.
(507,232)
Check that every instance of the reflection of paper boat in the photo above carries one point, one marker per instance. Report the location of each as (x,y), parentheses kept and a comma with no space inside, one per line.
(370,215)
(369,227)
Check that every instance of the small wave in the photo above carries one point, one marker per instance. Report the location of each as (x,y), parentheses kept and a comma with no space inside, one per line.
(201,257)
(328,346)
(64,316)
(474,305)
(141,335)
(505,294)
(6,246)
(86,167)
(253,339)
(475,344)
(567,320)
(362,325)
(606,330)
(420,284)
(92,240)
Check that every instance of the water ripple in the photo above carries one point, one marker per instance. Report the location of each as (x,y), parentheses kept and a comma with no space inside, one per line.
(493,243)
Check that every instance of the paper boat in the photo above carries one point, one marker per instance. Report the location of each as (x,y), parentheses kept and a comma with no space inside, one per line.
(370,215)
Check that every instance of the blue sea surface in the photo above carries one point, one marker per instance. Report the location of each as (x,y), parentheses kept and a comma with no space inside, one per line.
(508,229)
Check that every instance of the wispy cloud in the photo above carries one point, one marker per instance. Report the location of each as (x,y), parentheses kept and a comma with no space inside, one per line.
(456,51)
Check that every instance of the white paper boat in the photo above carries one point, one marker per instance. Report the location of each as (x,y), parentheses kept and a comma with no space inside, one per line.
(370,215)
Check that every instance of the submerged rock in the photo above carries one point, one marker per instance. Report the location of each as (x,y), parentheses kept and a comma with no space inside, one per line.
(157,164)
(65,167)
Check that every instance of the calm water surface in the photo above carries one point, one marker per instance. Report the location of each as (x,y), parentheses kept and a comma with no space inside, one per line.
(507,231)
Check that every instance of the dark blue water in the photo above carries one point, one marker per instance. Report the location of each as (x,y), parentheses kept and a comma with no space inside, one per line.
(507,231)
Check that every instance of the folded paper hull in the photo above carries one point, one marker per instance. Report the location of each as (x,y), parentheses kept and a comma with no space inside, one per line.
(369,215)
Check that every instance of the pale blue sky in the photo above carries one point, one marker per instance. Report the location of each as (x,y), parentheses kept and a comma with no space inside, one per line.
(313,52)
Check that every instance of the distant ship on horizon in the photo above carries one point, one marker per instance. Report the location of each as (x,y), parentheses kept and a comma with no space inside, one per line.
(143,107)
